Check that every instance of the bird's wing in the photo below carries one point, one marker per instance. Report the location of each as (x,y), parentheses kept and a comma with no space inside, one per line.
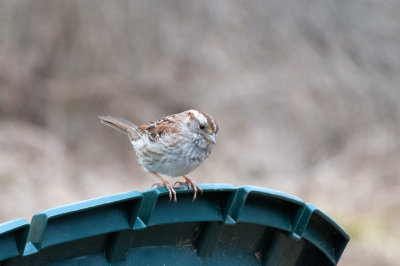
(156,129)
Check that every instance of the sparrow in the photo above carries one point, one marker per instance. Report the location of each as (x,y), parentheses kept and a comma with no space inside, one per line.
(173,146)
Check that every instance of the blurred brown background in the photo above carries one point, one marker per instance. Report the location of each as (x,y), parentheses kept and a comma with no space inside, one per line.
(306,94)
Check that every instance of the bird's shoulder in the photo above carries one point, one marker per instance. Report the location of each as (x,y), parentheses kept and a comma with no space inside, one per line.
(167,125)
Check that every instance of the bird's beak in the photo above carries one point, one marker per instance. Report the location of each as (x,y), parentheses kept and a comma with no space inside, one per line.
(212,138)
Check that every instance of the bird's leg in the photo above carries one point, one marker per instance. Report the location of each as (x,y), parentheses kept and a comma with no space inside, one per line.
(167,185)
(190,184)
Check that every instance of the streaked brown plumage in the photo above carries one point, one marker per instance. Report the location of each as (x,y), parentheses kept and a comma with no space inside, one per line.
(174,145)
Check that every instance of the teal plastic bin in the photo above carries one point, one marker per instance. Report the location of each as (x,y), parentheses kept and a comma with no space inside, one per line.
(225,225)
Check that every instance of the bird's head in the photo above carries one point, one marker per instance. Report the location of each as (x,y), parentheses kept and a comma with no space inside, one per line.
(202,124)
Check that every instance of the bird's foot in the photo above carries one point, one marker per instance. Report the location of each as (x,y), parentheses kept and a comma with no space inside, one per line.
(189,184)
(167,185)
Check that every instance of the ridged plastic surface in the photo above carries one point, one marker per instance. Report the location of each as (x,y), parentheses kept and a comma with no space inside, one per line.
(225,225)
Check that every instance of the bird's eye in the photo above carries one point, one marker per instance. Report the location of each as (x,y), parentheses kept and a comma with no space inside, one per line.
(201,126)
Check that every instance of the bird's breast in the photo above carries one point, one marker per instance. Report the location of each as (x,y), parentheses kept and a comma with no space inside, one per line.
(172,157)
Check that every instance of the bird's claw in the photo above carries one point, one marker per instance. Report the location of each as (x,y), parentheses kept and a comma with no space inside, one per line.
(171,190)
(189,184)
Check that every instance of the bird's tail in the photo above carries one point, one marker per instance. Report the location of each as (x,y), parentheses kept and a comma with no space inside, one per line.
(119,124)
